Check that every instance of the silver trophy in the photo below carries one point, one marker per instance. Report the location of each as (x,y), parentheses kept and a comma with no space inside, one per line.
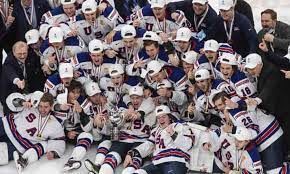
(117,119)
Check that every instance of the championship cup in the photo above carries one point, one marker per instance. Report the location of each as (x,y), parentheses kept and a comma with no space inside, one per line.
(117,120)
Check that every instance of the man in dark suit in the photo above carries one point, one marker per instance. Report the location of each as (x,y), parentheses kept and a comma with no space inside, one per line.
(14,73)
(27,15)
(273,92)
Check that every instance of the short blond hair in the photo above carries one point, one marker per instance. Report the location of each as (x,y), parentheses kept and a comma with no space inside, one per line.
(18,45)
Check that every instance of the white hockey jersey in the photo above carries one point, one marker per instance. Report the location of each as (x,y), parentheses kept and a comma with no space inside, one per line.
(27,129)
(139,130)
(53,85)
(72,46)
(165,149)
(151,23)
(104,23)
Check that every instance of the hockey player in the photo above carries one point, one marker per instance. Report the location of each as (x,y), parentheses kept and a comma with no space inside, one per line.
(185,42)
(139,121)
(118,85)
(207,86)
(236,78)
(154,17)
(157,72)
(169,142)
(188,63)
(269,135)
(126,43)
(92,23)
(58,82)
(57,49)
(30,133)
(248,157)
(92,65)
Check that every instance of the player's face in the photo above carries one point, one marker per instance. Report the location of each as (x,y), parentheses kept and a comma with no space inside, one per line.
(136,101)
(129,42)
(66,81)
(227,71)
(152,51)
(241,144)
(203,84)
(73,95)
(183,45)
(117,80)
(26,2)
(96,99)
(187,67)
(211,55)
(57,45)
(267,21)
(159,13)
(163,120)
(69,9)
(199,8)
(158,77)
(255,72)
(90,17)
(219,104)
(44,108)
(21,53)
(97,58)
(227,15)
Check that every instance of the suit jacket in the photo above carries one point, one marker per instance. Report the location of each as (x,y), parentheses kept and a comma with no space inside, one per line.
(20,26)
(11,70)
(273,89)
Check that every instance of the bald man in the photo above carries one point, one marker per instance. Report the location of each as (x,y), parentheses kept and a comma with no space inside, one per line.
(14,73)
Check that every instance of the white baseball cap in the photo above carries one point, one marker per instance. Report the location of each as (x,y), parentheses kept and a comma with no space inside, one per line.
(189,57)
(55,34)
(164,84)
(32,36)
(202,74)
(211,45)
(162,109)
(183,34)
(89,6)
(151,35)
(200,1)
(226,4)
(242,134)
(288,55)
(92,88)
(128,31)
(65,70)
(66,2)
(96,46)
(229,59)
(62,98)
(252,60)
(116,69)
(158,3)
(136,90)
(154,67)
(35,98)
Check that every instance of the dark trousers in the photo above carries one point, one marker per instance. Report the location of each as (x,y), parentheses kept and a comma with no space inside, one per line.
(166,168)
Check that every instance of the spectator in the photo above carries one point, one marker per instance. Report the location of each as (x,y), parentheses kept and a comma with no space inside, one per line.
(274,32)
(235,29)
(27,15)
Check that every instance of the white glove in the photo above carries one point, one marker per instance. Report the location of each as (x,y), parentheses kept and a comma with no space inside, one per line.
(30,155)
